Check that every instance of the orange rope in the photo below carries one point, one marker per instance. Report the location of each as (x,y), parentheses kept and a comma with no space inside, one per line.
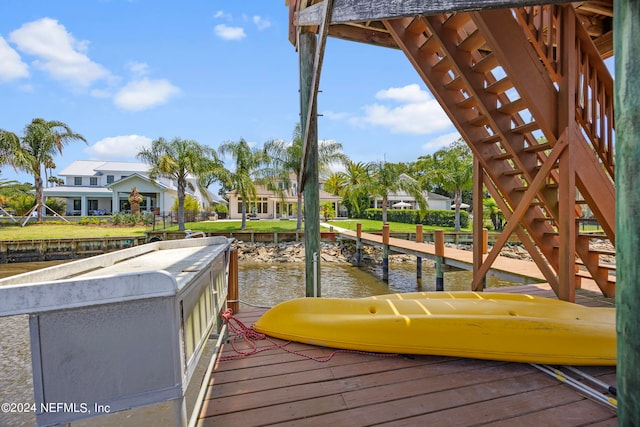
(246,334)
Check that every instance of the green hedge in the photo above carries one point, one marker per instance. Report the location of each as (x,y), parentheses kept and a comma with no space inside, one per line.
(408,216)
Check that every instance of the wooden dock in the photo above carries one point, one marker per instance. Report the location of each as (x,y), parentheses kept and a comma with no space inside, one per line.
(284,388)
(518,271)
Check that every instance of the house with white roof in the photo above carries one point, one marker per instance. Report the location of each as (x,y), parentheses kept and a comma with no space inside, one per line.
(94,187)
(403,200)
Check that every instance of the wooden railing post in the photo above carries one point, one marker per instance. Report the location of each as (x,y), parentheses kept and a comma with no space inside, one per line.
(232,295)
(419,259)
(358,243)
(385,252)
(438,236)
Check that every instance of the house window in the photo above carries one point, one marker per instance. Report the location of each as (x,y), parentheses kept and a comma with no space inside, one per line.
(259,206)
(93,180)
(77,204)
(77,180)
(294,189)
(109,179)
(93,205)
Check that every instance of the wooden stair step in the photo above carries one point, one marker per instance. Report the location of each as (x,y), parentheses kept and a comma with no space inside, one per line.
(443,65)
(456,20)
(587,275)
(430,45)
(417,26)
(472,42)
(538,147)
(486,64)
(502,156)
(479,120)
(455,84)
(491,139)
(602,251)
(467,103)
(543,219)
(512,172)
(526,128)
(500,86)
(512,107)
(611,267)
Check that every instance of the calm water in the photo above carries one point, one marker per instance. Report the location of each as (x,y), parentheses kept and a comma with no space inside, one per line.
(259,283)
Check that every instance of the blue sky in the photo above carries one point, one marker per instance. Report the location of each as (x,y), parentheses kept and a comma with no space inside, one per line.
(125,72)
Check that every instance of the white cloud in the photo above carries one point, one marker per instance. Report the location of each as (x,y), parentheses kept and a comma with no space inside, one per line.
(418,112)
(406,94)
(12,66)
(334,116)
(222,15)
(261,23)
(138,68)
(441,141)
(229,33)
(142,94)
(125,146)
(58,53)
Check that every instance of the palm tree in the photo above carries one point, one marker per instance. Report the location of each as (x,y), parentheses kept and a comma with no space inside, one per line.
(285,158)
(42,139)
(453,171)
(241,180)
(181,160)
(351,185)
(387,179)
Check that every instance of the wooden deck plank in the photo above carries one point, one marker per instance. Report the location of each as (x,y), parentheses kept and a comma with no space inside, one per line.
(419,403)
(496,410)
(279,388)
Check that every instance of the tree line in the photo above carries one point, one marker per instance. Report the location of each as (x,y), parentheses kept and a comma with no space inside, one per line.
(448,171)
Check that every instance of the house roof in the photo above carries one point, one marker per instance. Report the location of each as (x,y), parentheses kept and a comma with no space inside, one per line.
(98,167)
(70,191)
(137,176)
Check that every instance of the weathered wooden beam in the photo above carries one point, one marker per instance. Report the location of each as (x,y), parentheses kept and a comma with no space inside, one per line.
(313,88)
(373,10)
(366,35)
(627,117)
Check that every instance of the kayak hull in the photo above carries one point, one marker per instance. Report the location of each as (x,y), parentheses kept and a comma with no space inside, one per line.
(496,326)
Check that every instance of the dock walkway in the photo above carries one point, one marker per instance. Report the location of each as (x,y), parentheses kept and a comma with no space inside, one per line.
(515,270)
(278,387)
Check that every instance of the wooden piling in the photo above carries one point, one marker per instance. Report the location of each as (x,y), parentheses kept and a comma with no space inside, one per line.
(358,244)
(232,294)
(438,237)
(385,252)
(419,259)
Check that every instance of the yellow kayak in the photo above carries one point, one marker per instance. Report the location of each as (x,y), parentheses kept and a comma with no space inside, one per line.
(497,326)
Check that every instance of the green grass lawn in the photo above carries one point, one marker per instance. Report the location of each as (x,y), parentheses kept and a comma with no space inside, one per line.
(66,231)
(235,226)
(77,231)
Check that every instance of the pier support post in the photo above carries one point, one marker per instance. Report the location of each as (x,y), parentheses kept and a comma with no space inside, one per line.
(232,293)
(419,259)
(438,237)
(385,252)
(307,44)
(627,117)
(485,246)
(358,244)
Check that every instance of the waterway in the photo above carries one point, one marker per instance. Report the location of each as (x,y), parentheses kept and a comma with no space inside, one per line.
(259,284)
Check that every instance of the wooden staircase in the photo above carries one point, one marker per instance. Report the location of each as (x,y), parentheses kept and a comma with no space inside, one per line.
(530,94)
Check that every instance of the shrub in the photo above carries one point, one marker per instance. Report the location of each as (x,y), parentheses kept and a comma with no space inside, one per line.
(440,218)
(445,218)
